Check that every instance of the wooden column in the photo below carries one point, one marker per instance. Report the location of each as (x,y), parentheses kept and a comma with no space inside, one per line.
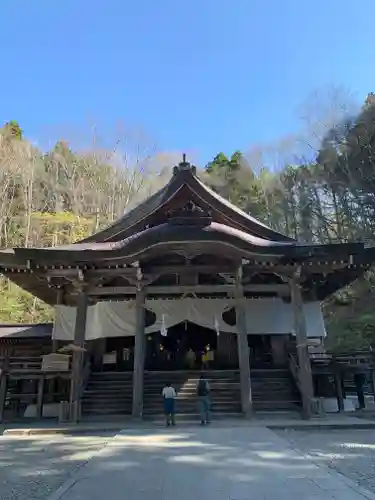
(305,375)
(55,342)
(338,384)
(139,354)
(39,401)
(243,348)
(4,382)
(3,393)
(78,352)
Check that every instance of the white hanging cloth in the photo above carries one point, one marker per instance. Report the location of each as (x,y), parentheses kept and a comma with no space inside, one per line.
(163,329)
(118,319)
(216,326)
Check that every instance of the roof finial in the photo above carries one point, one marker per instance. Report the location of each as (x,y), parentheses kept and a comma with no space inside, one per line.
(184,166)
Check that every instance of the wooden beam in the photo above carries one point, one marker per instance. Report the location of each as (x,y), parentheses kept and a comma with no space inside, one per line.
(139,355)
(3,392)
(300,330)
(77,358)
(132,271)
(289,269)
(89,273)
(243,348)
(40,396)
(177,289)
(263,266)
(195,268)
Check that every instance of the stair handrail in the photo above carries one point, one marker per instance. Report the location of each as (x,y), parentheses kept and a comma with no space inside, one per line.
(86,372)
(294,370)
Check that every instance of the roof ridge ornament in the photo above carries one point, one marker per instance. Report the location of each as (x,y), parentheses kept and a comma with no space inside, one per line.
(189,214)
(184,166)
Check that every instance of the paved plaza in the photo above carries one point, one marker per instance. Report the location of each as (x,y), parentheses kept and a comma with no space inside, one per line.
(32,468)
(218,462)
(234,463)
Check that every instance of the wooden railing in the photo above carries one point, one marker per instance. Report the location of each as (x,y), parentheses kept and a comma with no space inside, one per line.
(334,375)
(312,405)
(20,363)
(26,380)
(85,375)
(294,370)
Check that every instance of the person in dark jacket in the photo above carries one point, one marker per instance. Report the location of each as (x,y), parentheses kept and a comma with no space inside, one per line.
(203,391)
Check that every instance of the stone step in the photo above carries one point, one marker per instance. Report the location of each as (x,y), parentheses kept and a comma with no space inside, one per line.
(112,387)
(189,384)
(111,392)
(154,410)
(107,397)
(105,403)
(108,411)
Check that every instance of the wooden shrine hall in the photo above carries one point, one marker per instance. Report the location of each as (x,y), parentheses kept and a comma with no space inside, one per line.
(186,260)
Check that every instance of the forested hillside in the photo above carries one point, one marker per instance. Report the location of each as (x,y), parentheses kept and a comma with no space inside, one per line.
(59,196)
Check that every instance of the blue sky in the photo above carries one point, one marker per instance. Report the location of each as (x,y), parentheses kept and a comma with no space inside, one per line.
(198,75)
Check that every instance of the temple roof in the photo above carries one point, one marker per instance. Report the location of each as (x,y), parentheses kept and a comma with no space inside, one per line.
(188,220)
(26,331)
(131,248)
(185,186)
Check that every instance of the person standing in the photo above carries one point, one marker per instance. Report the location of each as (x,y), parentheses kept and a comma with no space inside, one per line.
(169,395)
(191,358)
(203,391)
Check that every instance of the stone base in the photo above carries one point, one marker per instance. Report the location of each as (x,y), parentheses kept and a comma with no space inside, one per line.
(50,410)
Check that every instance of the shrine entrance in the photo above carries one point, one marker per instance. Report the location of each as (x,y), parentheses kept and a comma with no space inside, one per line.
(186,346)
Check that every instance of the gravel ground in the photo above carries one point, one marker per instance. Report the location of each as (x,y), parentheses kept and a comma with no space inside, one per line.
(349,452)
(31,468)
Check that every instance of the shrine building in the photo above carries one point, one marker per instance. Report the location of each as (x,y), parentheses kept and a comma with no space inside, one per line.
(183,283)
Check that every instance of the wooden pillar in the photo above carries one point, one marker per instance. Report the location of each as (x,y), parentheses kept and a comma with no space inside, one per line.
(305,375)
(39,401)
(243,348)
(139,354)
(55,345)
(278,350)
(55,342)
(223,349)
(338,385)
(3,393)
(4,382)
(77,361)
(98,348)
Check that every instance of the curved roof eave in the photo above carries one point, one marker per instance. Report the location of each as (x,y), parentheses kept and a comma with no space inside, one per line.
(139,212)
(157,236)
(247,221)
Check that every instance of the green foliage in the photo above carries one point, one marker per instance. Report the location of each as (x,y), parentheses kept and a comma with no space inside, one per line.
(19,306)
(331,199)
(62,196)
(12,130)
(57,198)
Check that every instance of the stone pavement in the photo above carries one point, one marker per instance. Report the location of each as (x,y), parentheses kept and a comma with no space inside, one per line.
(272,420)
(233,463)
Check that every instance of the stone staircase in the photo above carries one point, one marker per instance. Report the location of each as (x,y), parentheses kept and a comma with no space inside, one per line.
(273,389)
(224,386)
(110,393)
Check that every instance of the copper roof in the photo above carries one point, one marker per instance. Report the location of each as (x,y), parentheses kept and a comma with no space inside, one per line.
(164,234)
(185,177)
(23,331)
